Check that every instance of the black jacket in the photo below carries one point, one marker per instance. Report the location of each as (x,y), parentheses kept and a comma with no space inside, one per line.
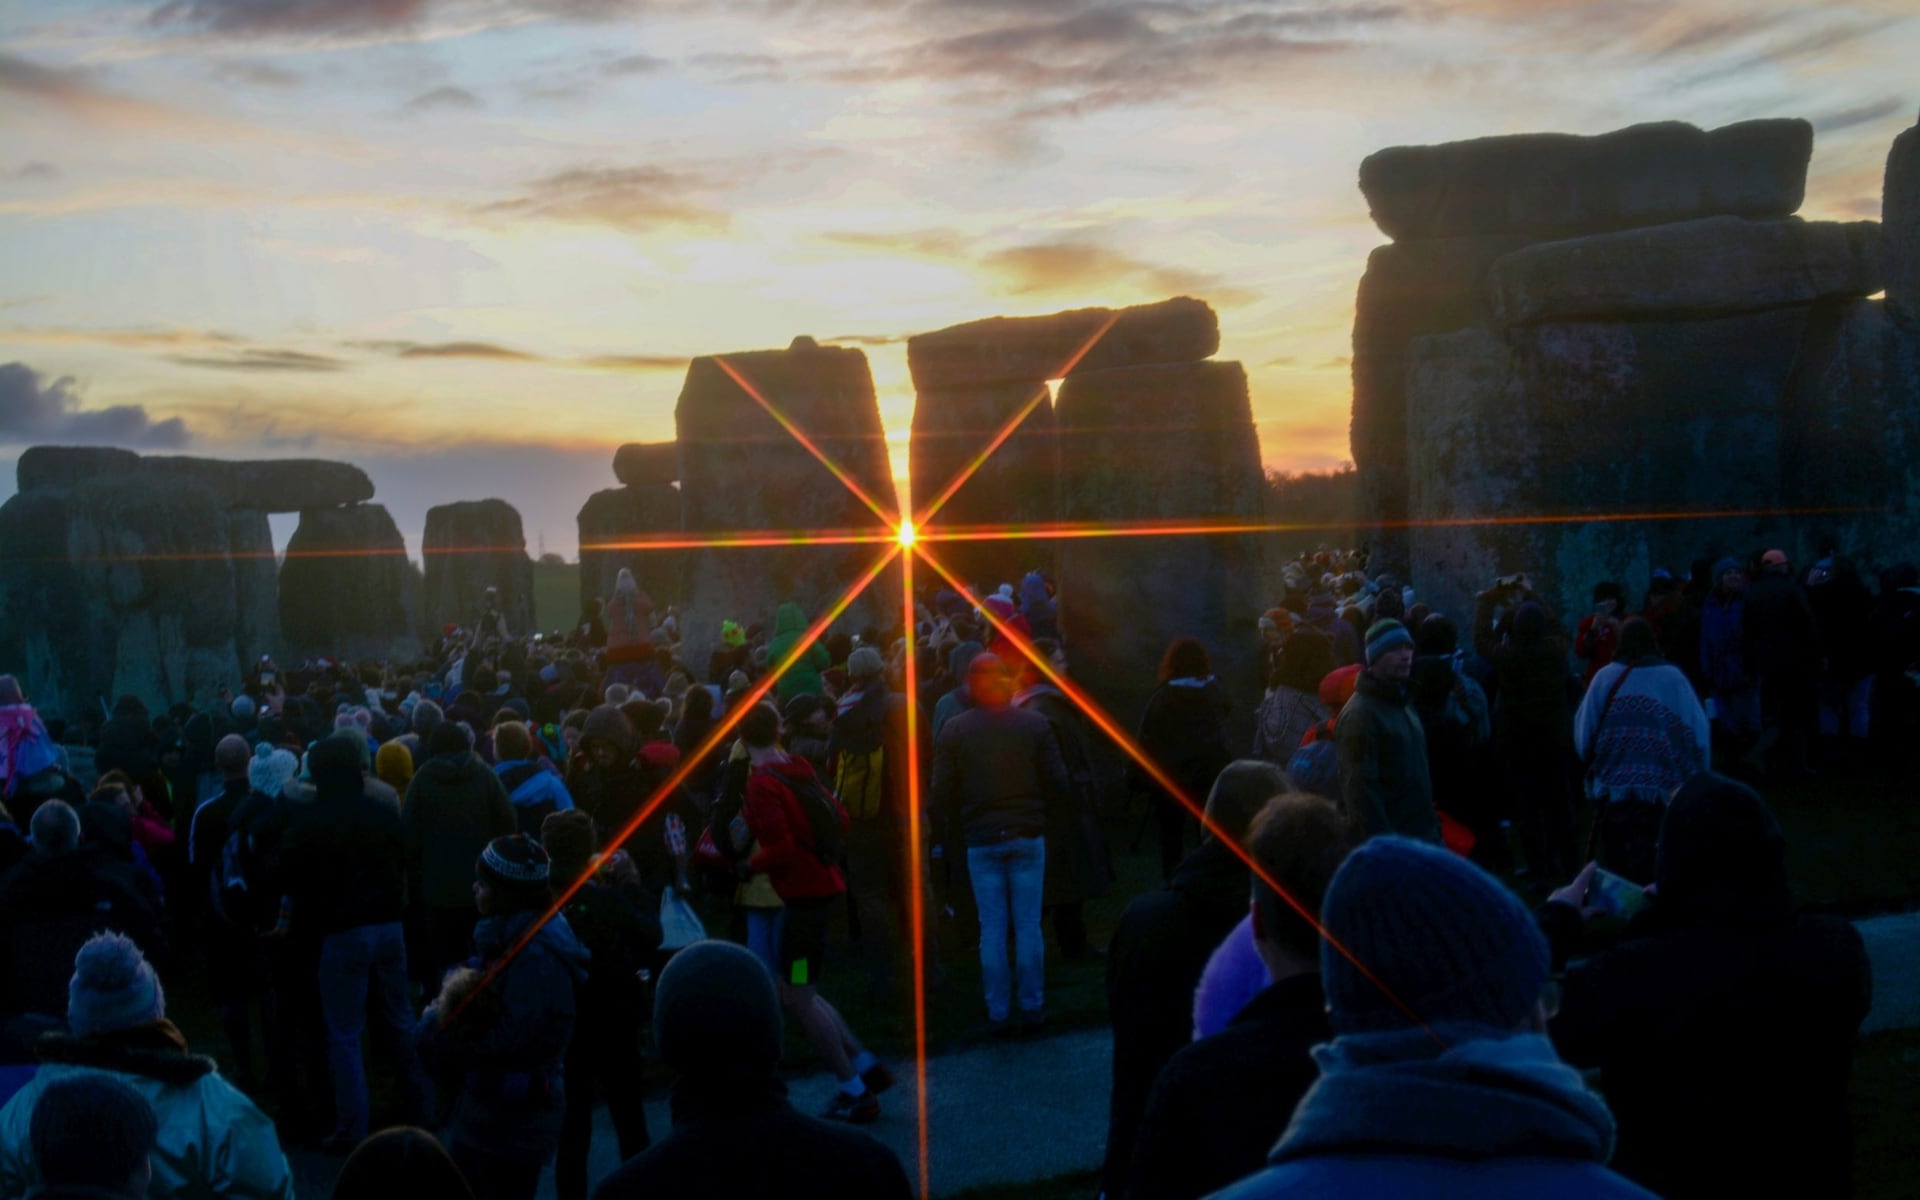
(50,904)
(454,807)
(345,862)
(1158,952)
(996,771)
(1184,729)
(1779,627)
(745,1139)
(1222,1102)
(1724,1051)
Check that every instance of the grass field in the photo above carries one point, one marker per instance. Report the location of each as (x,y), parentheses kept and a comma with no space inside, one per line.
(556,596)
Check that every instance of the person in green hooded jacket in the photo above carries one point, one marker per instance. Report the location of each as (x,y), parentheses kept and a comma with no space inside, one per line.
(789,626)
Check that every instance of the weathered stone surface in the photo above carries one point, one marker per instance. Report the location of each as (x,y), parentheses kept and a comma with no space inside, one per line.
(469,547)
(113,587)
(1631,435)
(1900,226)
(742,472)
(1410,289)
(269,485)
(1037,349)
(1710,267)
(256,584)
(614,524)
(1012,486)
(347,588)
(639,464)
(1556,185)
(1150,444)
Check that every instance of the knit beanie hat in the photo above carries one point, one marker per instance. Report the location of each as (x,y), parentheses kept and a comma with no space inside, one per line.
(716,1013)
(338,762)
(242,707)
(1448,939)
(232,755)
(1385,635)
(113,988)
(570,841)
(271,768)
(394,766)
(90,1132)
(517,868)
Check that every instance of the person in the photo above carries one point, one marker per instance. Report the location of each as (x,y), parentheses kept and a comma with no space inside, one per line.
(502,1022)
(1723,1024)
(401,1161)
(1784,651)
(1843,613)
(1895,623)
(1642,732)
(1219,1103)
(1439,1080)
(534,789)
(454,807)
(211,1140)
(421,722)
(1184,731)
(803,677)
(1598,636)
(1726,666)
(1457,725)
(1292,705)
(230,941)
(1276,626)
(1078,866)
(1384,785)
(1532,721)
(127,740)
(1161,946)
(62,893)
(716,1017)
(620,927)
(867,752)
(790,830)
(393,766)
(997,770)
(345,863)
(627,619)
(93,1138)
(30,762)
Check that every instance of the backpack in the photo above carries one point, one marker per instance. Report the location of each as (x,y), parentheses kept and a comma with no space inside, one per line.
(1315,766)
(26,750)
(860,780)
(825,817)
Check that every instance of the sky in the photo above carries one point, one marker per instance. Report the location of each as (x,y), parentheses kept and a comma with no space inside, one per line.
(471,245)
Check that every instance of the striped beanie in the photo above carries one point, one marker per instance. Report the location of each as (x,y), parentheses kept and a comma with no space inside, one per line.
(515,861)
(1385,635)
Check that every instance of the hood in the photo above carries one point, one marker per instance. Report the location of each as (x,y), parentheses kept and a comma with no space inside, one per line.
(156,1051)
(451,767)
(1721,858)
(794,770)
(608,724)
(1339,685)
(493,936)
(1213,875)
(789,619)
(1033,591)
(1474,1093)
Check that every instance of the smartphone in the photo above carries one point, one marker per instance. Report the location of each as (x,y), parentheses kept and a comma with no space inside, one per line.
(1615,895)
(266,679)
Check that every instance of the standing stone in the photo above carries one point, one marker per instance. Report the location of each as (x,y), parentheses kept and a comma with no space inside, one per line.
(469,547)
(1171,444)
(614,525)
(347,589)
(1014,486)
(644,464)
(1410,289)
(1038,349)
(1900,226)
(1559,185)
(272,485)
(742,472)
(256,585)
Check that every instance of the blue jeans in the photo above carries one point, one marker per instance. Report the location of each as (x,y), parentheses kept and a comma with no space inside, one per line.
(1009,881)
(370,960)
(764,927)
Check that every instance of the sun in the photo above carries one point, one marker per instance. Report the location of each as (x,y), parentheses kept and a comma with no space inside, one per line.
(906,535)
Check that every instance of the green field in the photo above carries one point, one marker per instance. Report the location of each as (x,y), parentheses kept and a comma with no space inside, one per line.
(556,595)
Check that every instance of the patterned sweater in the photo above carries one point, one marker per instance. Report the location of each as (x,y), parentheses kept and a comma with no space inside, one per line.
(1654,737)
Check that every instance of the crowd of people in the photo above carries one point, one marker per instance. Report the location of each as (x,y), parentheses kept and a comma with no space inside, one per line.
(510,866)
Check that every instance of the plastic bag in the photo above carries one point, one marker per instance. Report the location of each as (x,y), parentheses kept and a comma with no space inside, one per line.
(680,926)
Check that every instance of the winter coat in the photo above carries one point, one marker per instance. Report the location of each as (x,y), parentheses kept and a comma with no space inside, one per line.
(1489,1114)
(345,858)
(1595,642)
(1721,1037)
(1842,612)
(212,1140)
(1384,786)
(535,790)
(629,635)
(1078,865)
(127,742)
(778,821)
(803,678)
(1723,646)
(1654,738)
(508,1049)
(1531,678)
(1154,962)
(1184,729)
(1779,628)
(1323,613)
(1221,1103)
(50,904)
(1457,725)
(996,772)
(1234,975)
(1038,607)
(1285,718)
(455,806)
(737,1138)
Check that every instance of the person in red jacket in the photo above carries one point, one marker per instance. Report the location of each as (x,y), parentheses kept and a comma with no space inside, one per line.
(808,883)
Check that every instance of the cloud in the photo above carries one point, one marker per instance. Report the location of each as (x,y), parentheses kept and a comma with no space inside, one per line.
(248,18)
(261,360)
(922,243)
(444,99)
(123,339)
(1078,265)
(466,350)
(72,93)
(33,410)
(630,198)
(494,352)
(870,339)
(635,362)
(1861,114)
(257,74)
(30,171)
(635,64)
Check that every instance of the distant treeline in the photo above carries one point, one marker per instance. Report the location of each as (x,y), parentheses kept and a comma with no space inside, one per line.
(1325,501)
